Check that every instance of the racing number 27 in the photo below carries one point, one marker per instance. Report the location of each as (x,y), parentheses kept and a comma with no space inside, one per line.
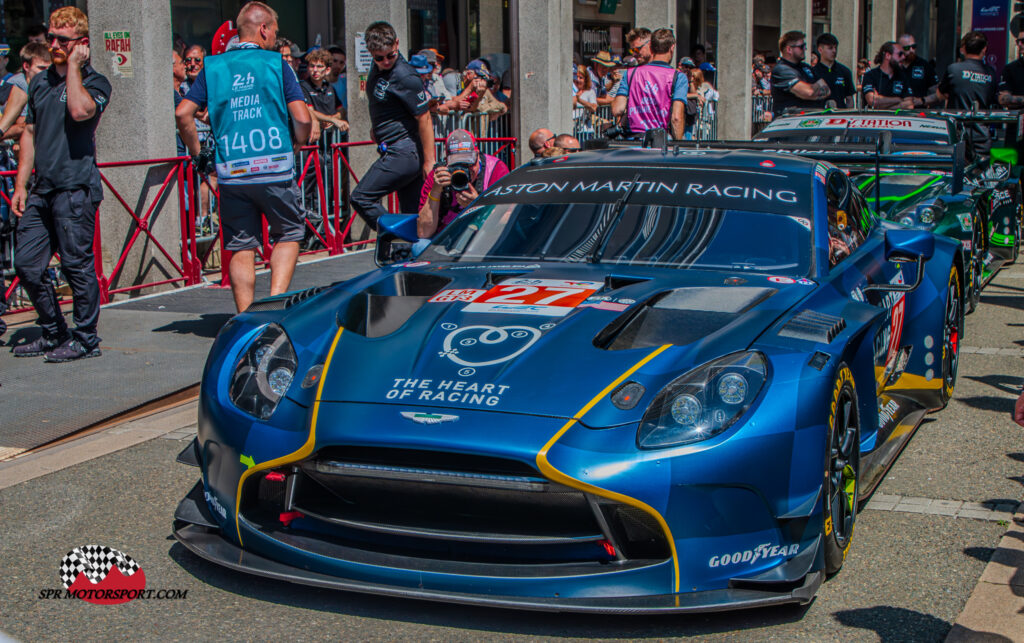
(537,296)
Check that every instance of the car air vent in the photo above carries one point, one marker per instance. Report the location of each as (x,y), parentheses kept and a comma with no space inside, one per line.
(282,302)
(681,316)
(495,278)
(385,306)
(813,327)
(614,282)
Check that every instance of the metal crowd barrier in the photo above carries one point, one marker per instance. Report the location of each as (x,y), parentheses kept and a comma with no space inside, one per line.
(329,217)
(762,112)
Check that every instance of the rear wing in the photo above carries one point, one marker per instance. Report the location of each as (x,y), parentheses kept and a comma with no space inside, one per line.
(1012,123)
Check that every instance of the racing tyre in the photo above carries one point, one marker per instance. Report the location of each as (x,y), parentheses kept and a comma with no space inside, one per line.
(842,469)
(974,284)
(952,323)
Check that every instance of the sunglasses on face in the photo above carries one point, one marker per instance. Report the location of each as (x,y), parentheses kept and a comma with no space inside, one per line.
(383,57)
(637,48)
(193,60)
(909,47)
(61,40)
(800,45)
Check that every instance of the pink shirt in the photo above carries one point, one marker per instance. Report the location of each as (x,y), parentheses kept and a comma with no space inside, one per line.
(494,170)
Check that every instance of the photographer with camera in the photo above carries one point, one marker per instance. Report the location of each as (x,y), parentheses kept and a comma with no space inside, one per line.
(456,183)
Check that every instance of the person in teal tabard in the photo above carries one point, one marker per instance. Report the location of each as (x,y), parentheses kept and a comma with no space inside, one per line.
(250,93)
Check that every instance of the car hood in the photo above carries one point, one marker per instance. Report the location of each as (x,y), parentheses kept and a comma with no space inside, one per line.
(399,347)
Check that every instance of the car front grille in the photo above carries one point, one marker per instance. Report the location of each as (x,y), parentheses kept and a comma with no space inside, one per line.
(457,508)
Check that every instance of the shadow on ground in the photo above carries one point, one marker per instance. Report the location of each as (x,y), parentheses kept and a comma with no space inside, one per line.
(895,623)
(208,325)
(482,619)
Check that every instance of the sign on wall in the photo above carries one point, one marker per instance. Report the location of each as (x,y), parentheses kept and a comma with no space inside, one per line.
(118,45)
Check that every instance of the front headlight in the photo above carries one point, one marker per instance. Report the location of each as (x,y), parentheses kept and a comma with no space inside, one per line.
(263,373)
(704,402)
(907,221)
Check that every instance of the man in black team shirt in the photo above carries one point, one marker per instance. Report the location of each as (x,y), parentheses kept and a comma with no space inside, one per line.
(918,73)
(835,74)
(1011,85)
(58,215)
(971,82)
(884,86)
(793,81)
(401,127)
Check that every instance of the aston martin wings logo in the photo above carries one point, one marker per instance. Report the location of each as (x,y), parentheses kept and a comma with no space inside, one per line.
(429,418)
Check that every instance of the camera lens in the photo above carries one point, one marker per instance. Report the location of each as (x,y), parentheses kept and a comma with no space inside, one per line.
(460,180)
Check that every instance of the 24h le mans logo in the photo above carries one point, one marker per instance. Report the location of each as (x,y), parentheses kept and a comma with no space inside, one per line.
(112,576)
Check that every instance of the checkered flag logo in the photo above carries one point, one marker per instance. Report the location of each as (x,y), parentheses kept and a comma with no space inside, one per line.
(95,561)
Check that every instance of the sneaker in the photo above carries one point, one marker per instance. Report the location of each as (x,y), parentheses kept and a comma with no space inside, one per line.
(71,350)
(34,348)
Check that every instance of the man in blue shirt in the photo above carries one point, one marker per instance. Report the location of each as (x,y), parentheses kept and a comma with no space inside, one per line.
(251,92)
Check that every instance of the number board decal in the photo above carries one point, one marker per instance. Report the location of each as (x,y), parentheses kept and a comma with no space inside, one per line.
(524,296)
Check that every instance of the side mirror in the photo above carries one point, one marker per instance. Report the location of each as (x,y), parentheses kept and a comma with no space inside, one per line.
(907,246)
(395,235)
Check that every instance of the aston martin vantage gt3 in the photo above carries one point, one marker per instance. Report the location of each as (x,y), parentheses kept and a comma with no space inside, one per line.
(623,381)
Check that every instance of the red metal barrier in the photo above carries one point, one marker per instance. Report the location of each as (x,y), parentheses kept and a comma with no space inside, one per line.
(190,265)
(180,172)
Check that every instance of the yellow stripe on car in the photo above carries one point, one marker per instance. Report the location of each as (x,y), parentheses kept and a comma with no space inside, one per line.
(555,475)
(302,452)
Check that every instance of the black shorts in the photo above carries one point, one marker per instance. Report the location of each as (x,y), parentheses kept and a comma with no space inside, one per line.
(242,204)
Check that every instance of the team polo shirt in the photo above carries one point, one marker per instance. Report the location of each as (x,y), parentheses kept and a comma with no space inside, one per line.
(324,99)
(397,97)
(920,77)
(65,149)
(784,76)
(839,79)
(968,82)
(877,81)
(1012,79)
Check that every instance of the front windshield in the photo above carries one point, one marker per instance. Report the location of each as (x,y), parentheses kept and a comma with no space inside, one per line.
(897,186)
(642,235)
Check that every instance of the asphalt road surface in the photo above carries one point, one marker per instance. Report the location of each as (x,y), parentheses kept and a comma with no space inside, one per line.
(919,549)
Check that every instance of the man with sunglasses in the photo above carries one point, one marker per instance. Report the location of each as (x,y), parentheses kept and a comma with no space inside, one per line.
(793,81)
(1011,84)
(639,42)
(59,214)
(259,117)
(919,73)
(401,126)
(884,86)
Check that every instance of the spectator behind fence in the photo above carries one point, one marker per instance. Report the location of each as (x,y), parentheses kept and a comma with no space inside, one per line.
(694,100)
(194,57)
(568,143)
(918,73)
(601,70)
(286,48)
(177,78)
(584,96)
(324,99)
(250,186)
(433,82)
(451,187)
(884,86)
(540,140)
(837,75)
(338,78)
(793,80)
(36,33)
(639,42)
(59,214)
(476,96)
(35,57)
(402,128)
(654,95)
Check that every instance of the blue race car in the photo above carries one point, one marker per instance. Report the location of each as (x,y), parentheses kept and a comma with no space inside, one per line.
(623,381)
